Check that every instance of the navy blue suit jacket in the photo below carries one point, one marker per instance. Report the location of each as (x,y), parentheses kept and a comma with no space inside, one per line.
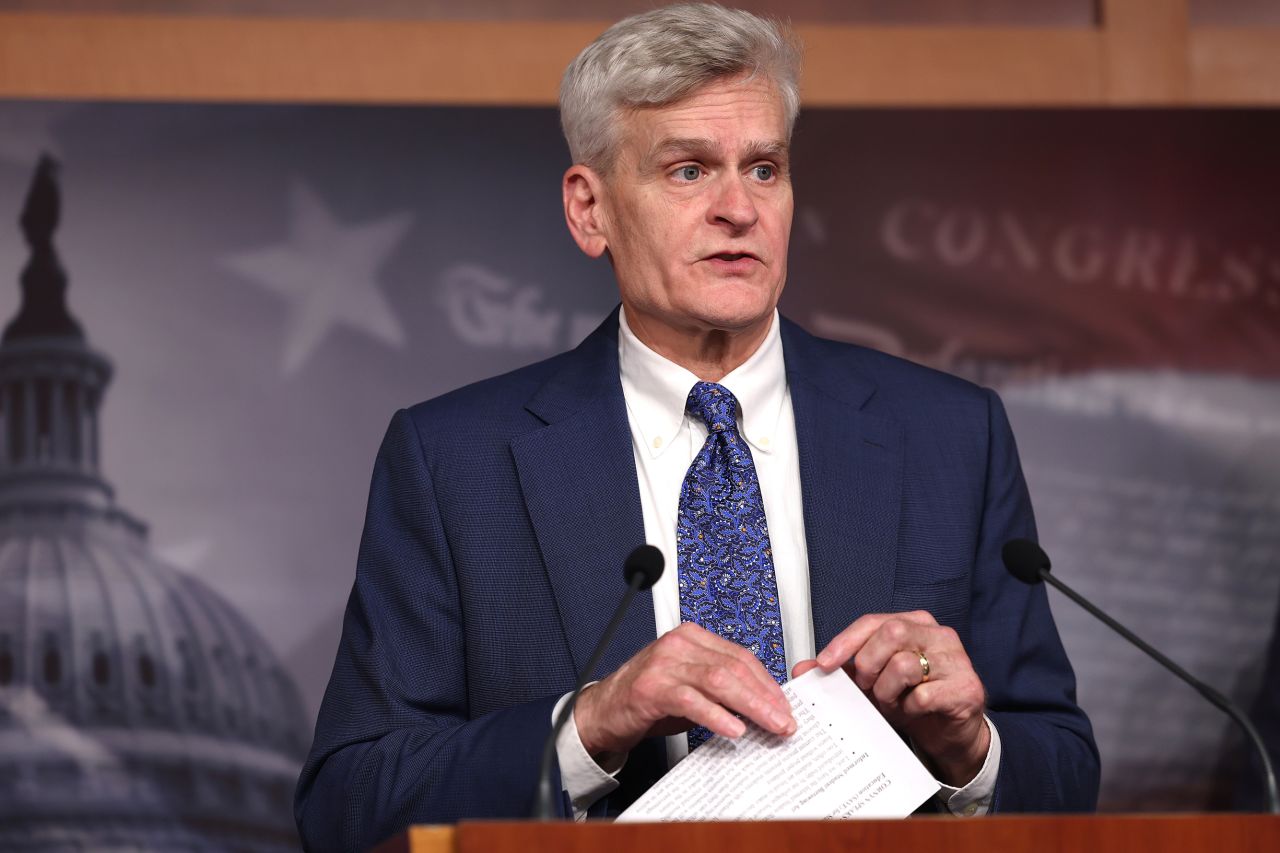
(498,521)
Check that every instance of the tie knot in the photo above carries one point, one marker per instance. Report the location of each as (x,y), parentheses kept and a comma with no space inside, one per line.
(714,405)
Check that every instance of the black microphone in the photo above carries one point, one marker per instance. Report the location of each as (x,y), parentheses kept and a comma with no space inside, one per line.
(1028,562)
(641,570)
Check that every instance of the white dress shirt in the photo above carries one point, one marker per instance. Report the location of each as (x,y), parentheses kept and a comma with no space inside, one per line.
(665,439)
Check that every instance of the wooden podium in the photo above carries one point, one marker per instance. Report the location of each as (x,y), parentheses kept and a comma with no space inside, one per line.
(1190,833)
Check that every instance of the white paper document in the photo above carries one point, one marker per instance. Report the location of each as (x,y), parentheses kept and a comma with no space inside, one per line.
(843,761)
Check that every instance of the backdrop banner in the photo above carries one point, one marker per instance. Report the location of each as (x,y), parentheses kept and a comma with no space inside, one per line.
(270,283)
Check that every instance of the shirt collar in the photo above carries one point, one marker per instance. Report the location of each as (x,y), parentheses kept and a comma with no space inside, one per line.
(656,390)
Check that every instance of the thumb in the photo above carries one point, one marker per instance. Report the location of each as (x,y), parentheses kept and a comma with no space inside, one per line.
(802,667)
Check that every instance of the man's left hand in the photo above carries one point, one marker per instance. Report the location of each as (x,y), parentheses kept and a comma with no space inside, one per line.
(942,714)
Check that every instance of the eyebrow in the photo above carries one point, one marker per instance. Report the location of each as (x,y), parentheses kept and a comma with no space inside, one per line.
(707,149)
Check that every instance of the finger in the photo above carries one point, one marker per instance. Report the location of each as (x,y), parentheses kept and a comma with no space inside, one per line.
(803,667)
(922,701)
(703,641)
(727,684)
(958,699)
(938,644)
(701,638)
(901,673)
(846,644)
(690,704)
(894,636)
(850,641)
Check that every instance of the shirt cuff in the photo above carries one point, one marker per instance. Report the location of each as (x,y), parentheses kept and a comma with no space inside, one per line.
(583,779)
(974,799)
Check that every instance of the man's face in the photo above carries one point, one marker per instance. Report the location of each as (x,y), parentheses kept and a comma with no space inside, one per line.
(696,212)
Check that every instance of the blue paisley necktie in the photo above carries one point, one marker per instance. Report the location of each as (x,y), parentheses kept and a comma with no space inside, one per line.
(726,564)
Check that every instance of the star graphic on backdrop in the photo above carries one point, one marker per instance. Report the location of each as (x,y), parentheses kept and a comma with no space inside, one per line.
(326,271)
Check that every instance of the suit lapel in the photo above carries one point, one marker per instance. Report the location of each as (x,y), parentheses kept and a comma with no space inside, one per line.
(851,484)
(580,486)
(579,481)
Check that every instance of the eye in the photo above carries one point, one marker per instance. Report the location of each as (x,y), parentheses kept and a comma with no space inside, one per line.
(689,173)
(764,172)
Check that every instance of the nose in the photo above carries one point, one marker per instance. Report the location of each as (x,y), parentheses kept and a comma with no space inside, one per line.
(733,204)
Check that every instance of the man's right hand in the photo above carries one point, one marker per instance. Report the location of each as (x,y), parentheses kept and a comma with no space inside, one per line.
(688,676)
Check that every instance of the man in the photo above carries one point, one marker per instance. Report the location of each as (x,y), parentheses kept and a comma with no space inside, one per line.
(818,504)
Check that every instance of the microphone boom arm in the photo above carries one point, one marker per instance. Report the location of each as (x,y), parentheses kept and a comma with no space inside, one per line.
(1216,698)
(544,800)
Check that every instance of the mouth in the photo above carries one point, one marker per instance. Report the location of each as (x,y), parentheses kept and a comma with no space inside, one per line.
(732,257)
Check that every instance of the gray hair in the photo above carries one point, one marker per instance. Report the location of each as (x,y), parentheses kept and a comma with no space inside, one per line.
(660,57)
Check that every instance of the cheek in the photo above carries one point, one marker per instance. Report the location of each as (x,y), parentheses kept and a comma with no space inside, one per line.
(666,246)
(638,231)
(781,215)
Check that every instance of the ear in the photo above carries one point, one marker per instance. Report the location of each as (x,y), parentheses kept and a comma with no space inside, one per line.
(582,189)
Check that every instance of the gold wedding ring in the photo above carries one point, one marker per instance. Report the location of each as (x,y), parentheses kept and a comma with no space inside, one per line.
(924,667)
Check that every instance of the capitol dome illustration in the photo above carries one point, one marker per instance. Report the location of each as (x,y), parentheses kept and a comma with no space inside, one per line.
(139,710)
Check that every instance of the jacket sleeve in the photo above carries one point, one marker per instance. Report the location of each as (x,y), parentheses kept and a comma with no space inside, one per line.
(395,743)
(1049,761)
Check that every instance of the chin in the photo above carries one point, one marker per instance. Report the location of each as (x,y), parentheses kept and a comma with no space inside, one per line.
(733,318)
(735,308)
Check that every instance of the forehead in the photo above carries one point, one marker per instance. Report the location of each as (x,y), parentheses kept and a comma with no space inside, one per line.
(732,113)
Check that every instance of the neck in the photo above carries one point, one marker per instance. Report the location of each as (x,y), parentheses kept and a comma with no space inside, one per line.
(709,354)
